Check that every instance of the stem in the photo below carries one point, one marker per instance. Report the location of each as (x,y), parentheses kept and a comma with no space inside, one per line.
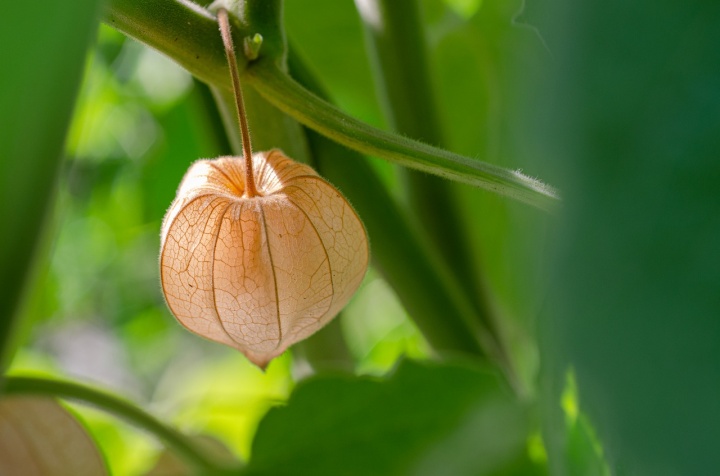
(181,29)
(178,442)
(397,46)
(287,95)
(188,34)
(250,188)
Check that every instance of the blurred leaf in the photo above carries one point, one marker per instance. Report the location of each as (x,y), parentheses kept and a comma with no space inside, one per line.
(632,118)
(405,424)
(37,91)
(39,437)
(378,329)
(582,452)
(584,455)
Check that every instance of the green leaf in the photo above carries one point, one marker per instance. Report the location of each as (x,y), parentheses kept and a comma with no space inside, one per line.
(404,424)
(43,51)
(39,437)
(575,443)
(633,118)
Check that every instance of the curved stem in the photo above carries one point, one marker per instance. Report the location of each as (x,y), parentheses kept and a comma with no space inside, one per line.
(287,95)
(188,34)
(250,188)
(173,439)
(181,29)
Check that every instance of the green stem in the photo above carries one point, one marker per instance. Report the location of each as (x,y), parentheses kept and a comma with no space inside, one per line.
(188,34)
(287,95)
(182,30)
(263,17)
(397,46)
(396,41)
(179,443)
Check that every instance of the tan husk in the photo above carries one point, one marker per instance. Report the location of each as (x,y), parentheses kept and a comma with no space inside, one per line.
(259,273)
(38,437)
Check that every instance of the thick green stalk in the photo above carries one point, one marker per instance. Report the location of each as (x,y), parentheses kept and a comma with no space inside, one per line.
(262,17)
(181,29)
(176,441)
(397,46)
(188,34)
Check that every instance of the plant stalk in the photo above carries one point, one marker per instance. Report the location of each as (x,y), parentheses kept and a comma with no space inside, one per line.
(173,439)
(250,187)
(188,34)
(397,46)
(279,89)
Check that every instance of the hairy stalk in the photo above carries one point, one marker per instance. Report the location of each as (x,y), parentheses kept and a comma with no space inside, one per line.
(250,188)
(176,441)
(279,89)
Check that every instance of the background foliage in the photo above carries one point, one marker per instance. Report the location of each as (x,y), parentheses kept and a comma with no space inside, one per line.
(608,309)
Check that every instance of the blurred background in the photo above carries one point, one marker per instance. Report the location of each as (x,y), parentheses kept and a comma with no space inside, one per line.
(615,103)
